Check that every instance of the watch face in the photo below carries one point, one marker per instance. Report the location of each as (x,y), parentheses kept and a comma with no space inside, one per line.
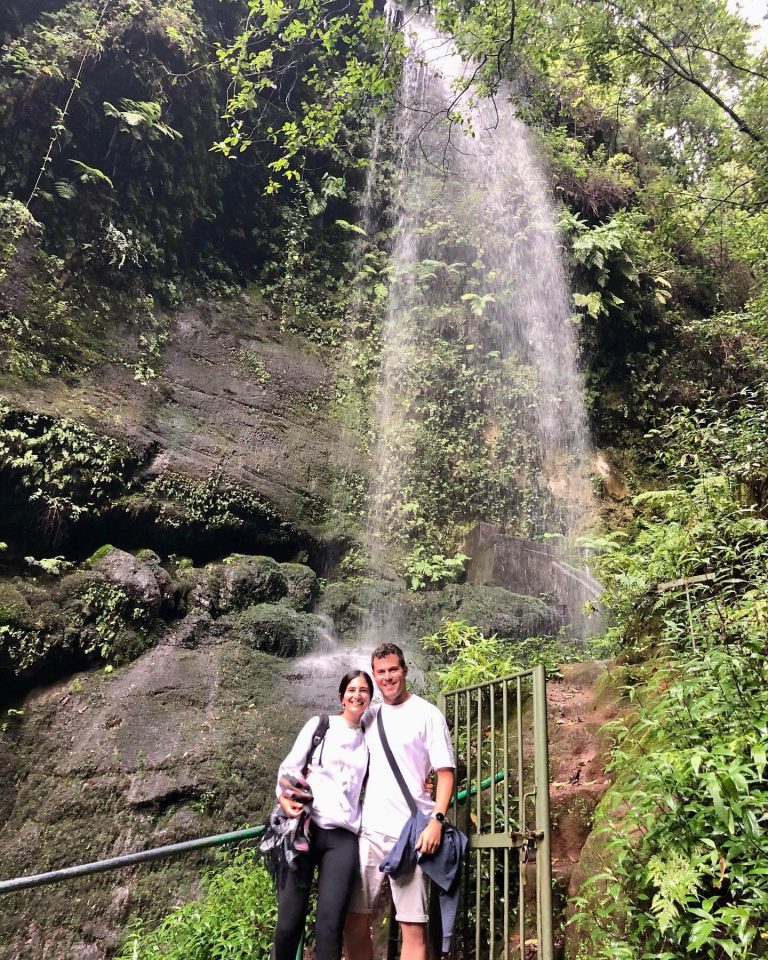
(440,817)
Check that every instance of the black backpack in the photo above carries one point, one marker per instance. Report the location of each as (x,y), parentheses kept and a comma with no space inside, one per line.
(318,737)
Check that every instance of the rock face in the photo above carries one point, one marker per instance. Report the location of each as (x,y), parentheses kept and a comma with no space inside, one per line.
(536,569)
(181,743)
(492,609)
(236,399)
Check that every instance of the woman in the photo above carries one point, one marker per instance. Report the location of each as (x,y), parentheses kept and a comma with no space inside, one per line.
(335,773)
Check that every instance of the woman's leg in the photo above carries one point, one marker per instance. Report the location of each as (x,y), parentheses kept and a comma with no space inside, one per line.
(338,865)
(292,902)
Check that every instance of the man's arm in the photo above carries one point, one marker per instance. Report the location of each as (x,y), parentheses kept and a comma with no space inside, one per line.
(430,836)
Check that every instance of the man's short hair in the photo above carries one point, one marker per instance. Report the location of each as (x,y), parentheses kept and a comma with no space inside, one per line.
(388,650)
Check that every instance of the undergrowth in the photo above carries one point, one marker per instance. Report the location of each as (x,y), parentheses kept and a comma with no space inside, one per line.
(680,839)
(234,919)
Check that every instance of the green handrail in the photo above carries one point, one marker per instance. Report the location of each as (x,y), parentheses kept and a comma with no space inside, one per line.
(461,796)
(115,863)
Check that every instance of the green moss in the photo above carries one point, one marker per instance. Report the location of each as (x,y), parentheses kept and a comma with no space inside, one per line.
(252,364)
(14,606)
(303,586)
(99,554)
(274,628)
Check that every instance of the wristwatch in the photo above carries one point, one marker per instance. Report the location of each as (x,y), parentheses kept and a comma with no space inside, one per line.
(436,815)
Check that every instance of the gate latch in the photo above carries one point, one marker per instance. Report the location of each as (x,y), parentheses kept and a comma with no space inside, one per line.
(526,842)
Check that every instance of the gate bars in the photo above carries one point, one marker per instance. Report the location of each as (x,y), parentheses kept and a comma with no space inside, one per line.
(501,726)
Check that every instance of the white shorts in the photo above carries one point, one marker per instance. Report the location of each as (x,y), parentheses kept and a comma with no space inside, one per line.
(409,893)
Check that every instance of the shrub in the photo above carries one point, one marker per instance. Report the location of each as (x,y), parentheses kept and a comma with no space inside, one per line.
(234,919)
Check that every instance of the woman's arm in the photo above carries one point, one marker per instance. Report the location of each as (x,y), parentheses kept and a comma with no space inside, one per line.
(294,763)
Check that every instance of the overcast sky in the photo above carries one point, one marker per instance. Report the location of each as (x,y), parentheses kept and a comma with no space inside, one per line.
(756,11)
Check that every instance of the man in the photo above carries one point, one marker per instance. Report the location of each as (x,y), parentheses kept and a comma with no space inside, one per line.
(418,737)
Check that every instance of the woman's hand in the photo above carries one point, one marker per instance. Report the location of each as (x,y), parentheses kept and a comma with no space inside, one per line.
(291,808)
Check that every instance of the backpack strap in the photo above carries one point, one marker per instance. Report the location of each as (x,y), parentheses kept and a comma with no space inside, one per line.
(318,737)
(393,763)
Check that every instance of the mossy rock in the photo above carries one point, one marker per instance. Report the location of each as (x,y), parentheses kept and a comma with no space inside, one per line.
(99,554)
(339,601)
(14,606)
(275,628)
(348,603)
(303,585)
(240,582)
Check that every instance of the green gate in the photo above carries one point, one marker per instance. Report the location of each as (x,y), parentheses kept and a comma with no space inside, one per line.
(499,734)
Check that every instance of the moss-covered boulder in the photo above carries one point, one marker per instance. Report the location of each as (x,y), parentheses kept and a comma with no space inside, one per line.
(411,615)
(303,585)
(275,628)
(14,606)
(239,582)
(349,603)
(137,576)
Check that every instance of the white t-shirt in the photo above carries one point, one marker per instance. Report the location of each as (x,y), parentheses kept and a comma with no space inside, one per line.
(420,742)
(336,772)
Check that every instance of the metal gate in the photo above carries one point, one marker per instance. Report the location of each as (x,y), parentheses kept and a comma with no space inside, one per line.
(499,734)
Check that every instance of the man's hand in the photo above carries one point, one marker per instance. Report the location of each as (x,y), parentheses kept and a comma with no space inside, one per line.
(291,808)
(430,837)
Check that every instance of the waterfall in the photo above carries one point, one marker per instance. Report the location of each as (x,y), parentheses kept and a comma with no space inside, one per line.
(478,288)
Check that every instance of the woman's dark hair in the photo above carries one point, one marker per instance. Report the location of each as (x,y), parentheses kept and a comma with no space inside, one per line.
(353,675)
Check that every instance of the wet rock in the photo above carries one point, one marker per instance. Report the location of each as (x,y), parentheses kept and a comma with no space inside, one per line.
(413,615)
(196,629)
(510,616)
(244,581)
(181,743)
(534,569)
(303,585)
(160,787)
(137,577)
(184,824)
(275,628)
(347,604)
(613,480)
(237,583)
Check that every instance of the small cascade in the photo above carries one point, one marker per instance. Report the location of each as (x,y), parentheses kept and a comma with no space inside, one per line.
(316,675)
(475,261)
(353,416)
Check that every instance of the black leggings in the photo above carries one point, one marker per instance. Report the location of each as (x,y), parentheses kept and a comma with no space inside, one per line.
(334,853)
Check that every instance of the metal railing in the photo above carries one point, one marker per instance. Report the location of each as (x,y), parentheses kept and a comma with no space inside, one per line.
(128,859)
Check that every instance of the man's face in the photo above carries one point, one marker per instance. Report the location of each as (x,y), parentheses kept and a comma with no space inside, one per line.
(390,679)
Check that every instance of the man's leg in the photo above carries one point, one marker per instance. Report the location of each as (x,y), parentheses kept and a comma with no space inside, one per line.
(411,898)
(414,941)
(358,944)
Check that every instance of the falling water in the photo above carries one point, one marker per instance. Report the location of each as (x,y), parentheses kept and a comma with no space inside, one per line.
(472,188)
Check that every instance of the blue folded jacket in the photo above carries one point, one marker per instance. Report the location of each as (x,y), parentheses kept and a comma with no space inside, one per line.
(442,867)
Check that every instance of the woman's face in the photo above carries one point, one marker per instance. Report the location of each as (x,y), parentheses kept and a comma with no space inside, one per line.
(355,700)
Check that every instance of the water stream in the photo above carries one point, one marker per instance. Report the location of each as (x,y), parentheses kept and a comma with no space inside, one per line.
(476,267)
(476,258)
